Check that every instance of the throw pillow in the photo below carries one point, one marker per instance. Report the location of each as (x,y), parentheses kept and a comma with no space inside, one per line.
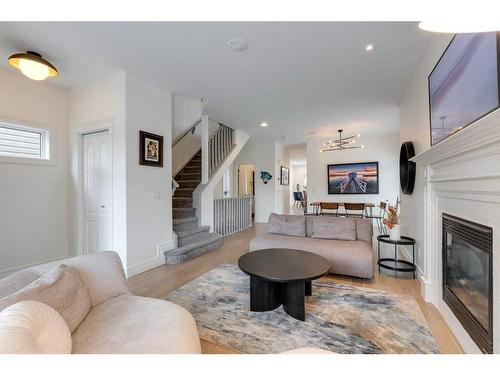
(288,225)
(62,289)
(32,327)
(17,281)
(334,228)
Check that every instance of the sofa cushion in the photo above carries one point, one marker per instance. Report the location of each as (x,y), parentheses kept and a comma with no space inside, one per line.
(352,258)
(17,281)
(62,289)
(288,225)
(334,228)
(131,324)
(32,327)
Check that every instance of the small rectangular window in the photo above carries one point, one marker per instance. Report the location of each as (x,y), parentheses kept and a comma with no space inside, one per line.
(23,142)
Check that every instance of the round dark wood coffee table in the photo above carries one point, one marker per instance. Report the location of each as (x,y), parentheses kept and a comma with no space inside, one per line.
(282,277)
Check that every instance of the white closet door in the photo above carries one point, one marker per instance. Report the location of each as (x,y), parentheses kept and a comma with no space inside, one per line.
(97,192)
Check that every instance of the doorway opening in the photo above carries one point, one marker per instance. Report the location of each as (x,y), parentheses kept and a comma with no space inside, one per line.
(246,183)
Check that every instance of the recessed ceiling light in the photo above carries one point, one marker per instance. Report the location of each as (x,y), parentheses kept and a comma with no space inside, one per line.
(264,125)
(32,65)
(238,44)
(369,47)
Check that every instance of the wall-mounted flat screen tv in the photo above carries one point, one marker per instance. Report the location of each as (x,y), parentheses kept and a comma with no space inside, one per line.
(353,178)
(464,85)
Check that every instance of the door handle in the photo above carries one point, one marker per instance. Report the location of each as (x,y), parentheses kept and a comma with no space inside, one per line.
(103,206)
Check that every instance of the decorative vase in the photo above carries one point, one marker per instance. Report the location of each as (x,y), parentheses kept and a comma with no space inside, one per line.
(395,233)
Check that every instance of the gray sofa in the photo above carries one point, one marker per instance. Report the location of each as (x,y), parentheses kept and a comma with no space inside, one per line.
(345,242)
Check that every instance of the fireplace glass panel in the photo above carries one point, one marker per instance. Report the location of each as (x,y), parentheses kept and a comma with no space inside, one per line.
(467,276)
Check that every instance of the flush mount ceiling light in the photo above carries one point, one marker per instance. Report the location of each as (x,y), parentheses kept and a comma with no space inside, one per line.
(238,44)
(369,47)
(264,125)
(341,143)
(460,26)
(32,65)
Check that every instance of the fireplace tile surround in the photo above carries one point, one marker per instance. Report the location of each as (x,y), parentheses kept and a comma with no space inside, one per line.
(461,177)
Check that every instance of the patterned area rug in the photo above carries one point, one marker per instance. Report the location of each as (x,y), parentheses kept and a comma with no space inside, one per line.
(339,318)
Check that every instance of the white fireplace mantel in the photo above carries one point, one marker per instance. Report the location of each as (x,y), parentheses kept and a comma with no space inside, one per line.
(462,178)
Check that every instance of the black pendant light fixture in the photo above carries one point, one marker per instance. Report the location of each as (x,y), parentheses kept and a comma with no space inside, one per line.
(33,66)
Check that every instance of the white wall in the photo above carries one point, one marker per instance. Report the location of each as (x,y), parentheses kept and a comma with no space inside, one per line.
(33,198)
(297,153)
(186,111)
(93,105)
(142,225)
(414,127)
(149,219)
(384,149)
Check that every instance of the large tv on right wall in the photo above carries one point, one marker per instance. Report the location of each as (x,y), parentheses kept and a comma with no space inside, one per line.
(464,85)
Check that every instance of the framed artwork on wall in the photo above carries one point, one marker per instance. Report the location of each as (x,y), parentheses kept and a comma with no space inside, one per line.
(285,176)
(353,178)
(150,149)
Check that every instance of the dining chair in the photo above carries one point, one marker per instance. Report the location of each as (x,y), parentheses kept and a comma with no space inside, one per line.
(296,198)
(379,217)
(354,209)
(328,206)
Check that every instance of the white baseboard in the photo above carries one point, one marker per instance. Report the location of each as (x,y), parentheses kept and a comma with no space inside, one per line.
(426,288)
(158,260)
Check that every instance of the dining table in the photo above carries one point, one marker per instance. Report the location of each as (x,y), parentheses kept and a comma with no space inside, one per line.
(317,205)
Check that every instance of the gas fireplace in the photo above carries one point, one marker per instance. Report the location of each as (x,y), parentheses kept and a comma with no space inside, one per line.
(468,277)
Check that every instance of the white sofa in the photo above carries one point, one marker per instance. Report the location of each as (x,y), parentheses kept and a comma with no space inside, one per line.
(118,322)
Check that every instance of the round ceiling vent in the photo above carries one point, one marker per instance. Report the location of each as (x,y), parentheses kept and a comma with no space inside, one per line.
(238,44)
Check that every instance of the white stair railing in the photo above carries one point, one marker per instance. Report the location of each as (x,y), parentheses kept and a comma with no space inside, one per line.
(220,145)
(232,215)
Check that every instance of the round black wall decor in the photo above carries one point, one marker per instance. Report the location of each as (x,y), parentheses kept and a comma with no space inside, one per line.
(407,168)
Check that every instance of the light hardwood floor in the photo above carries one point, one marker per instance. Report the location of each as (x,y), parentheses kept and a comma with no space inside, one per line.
(160,281)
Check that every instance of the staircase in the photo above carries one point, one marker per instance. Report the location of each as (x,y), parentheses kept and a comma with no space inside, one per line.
(193,239)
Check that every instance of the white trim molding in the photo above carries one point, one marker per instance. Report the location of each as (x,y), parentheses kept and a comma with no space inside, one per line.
(462,177)
(158,260)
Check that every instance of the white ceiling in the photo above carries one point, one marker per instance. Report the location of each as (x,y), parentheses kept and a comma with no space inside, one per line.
(298,77)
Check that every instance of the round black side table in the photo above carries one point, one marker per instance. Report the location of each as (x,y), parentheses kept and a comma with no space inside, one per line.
(395,264)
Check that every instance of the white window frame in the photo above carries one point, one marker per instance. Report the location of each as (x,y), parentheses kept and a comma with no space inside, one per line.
(48,143)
